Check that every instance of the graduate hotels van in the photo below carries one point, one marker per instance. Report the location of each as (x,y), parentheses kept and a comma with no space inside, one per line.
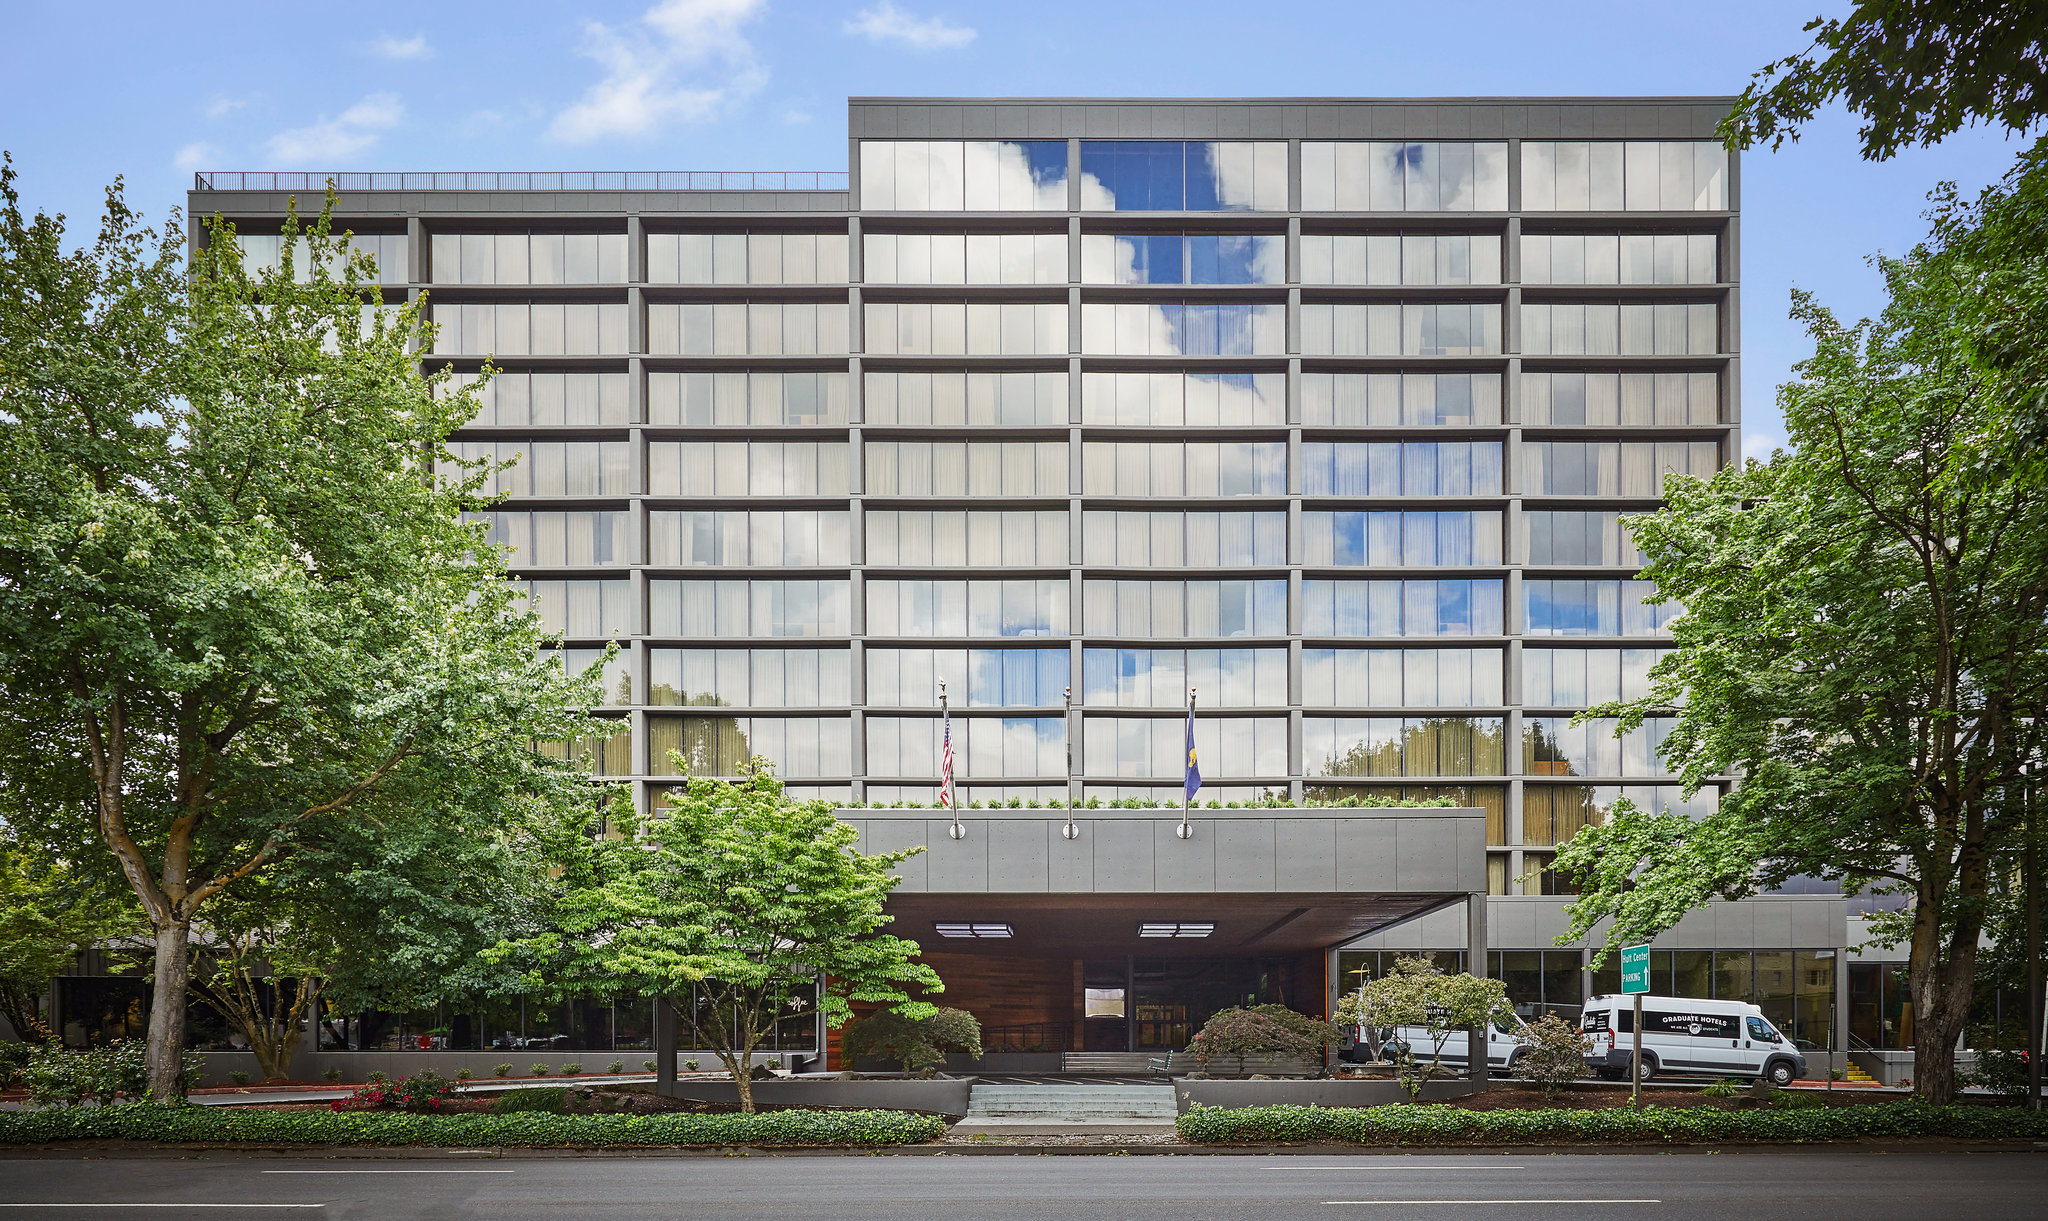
(1680,1035)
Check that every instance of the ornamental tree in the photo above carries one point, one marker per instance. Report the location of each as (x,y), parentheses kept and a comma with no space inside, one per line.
(760,907)
(1262,1030)
(1863,644)
(918,1044)
(1417,994)
(237,607)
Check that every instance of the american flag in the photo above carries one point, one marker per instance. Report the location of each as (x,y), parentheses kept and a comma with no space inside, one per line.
(946,764)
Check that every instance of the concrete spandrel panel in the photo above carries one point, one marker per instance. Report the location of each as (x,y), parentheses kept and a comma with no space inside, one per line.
(1823,923)
(1244,854)
(1123,857)
(891,835)
(1698,929)
(956,864)
(1070,863)
(1017,857)
(1305,855)
(1365,860)
(1470,855)
(1772,923)
(1425,853)
(1511,926)
(1186,866)
(1548,920)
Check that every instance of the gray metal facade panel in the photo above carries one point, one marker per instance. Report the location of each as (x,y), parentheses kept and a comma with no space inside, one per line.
(1363,862)
(894,835)
(1305,855)
(1425,854)
(1186,866)
(956,865)
(1070,863)
(1244,855)
(1017,857)
(1124,860)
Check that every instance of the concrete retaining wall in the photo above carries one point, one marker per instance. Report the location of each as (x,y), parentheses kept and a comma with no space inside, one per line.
(1189,1092)
(948,1097)
(357,1065)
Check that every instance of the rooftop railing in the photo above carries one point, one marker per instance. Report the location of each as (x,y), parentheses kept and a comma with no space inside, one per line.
(587,180)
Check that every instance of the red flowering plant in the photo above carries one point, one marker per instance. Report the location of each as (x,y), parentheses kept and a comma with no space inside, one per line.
(423,1093)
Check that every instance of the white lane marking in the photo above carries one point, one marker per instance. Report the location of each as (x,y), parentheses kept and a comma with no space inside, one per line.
(1493,1201)
(1360,1169)
(390,1172)
(126,1206)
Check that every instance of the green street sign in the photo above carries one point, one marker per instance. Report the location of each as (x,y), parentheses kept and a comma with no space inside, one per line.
(1635,969)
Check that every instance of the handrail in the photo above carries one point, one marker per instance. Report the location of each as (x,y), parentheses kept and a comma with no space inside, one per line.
(577,180)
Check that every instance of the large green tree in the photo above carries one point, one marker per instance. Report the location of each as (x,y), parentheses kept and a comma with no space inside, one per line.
(1865,644)
(236,605)
(760,907)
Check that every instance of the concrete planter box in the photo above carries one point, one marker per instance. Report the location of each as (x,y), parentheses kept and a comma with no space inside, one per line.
(1189,1092)
(993,1062)
(948,1098)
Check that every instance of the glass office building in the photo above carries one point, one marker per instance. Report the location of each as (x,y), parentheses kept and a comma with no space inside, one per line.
(1331,411)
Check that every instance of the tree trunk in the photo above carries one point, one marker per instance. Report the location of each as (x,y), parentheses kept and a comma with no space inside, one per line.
(742,1078)
(164,1058)
(1942,992)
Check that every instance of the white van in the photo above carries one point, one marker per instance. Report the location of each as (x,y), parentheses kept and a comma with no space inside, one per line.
(1503,1044)
(1681,1035)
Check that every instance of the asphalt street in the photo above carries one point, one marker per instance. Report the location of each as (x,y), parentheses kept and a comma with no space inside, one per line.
(1807,1185)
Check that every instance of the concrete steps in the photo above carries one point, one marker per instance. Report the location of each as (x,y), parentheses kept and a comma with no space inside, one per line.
(1063,1107)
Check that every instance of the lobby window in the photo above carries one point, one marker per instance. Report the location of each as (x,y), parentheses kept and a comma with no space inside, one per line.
(1624,258)
(1612,468)
(975,678)
(984,747)
(966,328)
(1184,468)
(963,175)
(1541,982)
(965,400)
(528,258)
(1401,468)
(747,468)
(1578,536)
(1633,399)
(265,251)
(964,258)
(1194,400)
(1403,608)
(769,538)
(746,258)
(760,399)
(1393,746)
(1554,746)
(534,467)
(1624,176)
(747,608)
(1400,258)
(1395,329)
(1183,258)
(1169,609)
(1577,328)
(571,399)
(1160,678)
(966,468)
(1578,678)
(1137,538)
(1183,176)
(1382,400)
(1558,607)
(1139,747)
(758,328)
(539,329)
(1184,328)
(1400,678)
(718,746)
(1384,176)
(1443,539)
(615,679)
(576,539)
(1010,538)
(967,608)
(581,610)
(748,678)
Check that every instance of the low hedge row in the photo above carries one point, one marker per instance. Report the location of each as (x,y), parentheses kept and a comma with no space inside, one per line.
(1437,1125)
(216,1125)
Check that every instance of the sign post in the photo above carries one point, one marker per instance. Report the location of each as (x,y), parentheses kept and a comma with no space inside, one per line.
(1635,980)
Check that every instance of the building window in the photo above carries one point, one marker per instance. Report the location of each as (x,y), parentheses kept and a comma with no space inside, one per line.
(542,329)
(966,328)
(1183,258)
(581,610)
(1401,468)
(1575,328)
(1398,329)
(975,678)
(963,175)
(1190,468)
(1618,176)
(1392,746)
(577,539)
(1160,678)
(574,399)
(1135,539)
(792,538)
(1183,328)
(746,608)
(1401,258)
(1009,538)
(1555,607)
(746,258)
(1580,678)
(1139,747)
(1173,609)
(265,252)
(1578,536)
(1382,176)
(1626,258)
(532,466)
(719,746)
(967,608)
(758,328)
(1634,399)
(1612,468)
(1401,678)
(528,258)
(988,748)
(966,468)
(748,678)
(747,468)
(1011,400)
(1195,400)
(1403,608)
(1554,746)
(964,258)
(1183,176)
(794,399)
(1380,400)
(1444,539)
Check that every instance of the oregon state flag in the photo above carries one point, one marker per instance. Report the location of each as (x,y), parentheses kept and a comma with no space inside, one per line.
(1194,777)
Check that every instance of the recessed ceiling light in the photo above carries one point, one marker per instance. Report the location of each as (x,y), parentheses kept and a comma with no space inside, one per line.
(1175,929)
(980,931)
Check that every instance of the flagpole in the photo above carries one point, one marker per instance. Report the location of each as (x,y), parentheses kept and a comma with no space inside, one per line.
(1184,831)
(946,791)
(1070,831)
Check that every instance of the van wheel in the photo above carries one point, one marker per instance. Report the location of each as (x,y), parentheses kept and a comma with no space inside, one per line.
(1780,1073)
(1646,1070)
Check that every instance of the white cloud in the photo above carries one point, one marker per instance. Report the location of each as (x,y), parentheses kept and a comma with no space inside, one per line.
(345,135)
(887,23)
(196,156)
(220,106)
(681,61)
(402,48)
(794,117)
(1759,445)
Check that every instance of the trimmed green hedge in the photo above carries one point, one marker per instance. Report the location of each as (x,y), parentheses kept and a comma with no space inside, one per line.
(215,1125)
(1438,1125)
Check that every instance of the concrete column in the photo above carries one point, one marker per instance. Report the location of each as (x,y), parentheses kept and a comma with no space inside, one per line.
(664,1045)
(1475,960)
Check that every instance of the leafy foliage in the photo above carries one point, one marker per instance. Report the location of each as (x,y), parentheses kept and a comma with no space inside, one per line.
(745,897)
(48,916)
(1432,1125)
(422,1093)
(529,1130)
(1261,1030)
(1416,993)
(917,1044)
(546,1098)
(1915,70)
(1554,1054)
(113,1072)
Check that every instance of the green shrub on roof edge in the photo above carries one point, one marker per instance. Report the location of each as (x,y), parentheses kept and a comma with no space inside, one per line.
(1438,1125)
(223,1125)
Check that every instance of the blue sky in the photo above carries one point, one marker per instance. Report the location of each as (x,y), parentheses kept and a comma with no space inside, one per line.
(152,92)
